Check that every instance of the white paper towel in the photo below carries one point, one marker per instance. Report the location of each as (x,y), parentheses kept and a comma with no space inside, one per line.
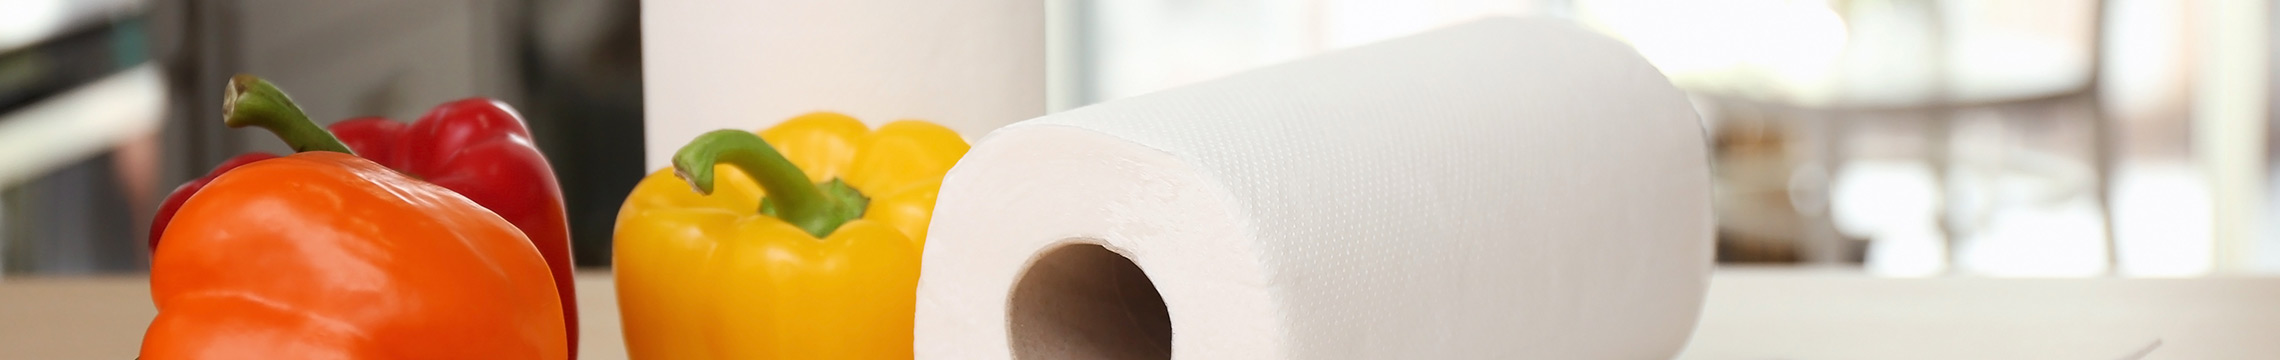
(1501,189)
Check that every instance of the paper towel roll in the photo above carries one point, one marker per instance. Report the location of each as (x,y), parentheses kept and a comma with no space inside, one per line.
(1502,189)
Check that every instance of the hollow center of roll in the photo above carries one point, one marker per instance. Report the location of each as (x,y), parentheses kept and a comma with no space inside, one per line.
(1082,301)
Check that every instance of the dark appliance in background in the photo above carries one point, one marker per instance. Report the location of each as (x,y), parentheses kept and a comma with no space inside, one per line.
(572,68)
(74,86)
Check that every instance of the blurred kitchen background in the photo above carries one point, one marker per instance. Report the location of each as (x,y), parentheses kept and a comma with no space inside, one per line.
(2043,138)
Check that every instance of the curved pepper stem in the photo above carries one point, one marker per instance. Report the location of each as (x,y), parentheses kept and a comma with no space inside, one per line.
(251,101)
(790,196)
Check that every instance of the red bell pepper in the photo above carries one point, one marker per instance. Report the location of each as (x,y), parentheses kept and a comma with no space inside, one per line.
(477,147)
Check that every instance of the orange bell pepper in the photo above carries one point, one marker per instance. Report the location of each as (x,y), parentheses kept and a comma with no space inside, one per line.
(324,255)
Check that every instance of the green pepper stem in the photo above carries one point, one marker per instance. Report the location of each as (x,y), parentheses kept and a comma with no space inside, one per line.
(791,197)
(251,101)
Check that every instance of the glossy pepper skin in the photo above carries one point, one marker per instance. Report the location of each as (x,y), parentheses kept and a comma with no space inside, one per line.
(481,149)
(830,271)
(324,255)
(477,147)
(182,193)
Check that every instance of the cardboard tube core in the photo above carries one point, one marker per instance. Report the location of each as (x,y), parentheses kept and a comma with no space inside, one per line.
(1083,301)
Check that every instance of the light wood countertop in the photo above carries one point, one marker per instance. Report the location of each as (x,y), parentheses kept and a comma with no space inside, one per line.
(1749,314)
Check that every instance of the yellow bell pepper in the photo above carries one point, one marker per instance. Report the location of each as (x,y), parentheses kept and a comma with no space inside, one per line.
(825,267)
